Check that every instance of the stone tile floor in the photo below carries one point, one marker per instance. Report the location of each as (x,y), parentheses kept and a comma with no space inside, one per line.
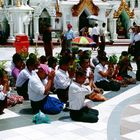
(119,117)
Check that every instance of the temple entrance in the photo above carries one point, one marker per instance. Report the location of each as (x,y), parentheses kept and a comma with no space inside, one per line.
(4,32)
(123,24)
(44,20)
(83,20)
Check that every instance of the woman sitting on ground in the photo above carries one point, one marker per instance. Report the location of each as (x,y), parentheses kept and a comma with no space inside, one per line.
(101,74)
(125,66)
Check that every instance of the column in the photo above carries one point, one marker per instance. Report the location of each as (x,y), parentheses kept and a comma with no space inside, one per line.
(25,2)
(75,25)
(11,30)
(26,28)
(131,22)
(36,25)
(138,4)
(132,4)
(12,3)
(0,3)
(53,22)
(114,29)
(22,2)
(20,25)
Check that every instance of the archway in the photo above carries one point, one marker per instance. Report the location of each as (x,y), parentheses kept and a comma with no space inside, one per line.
(123,24)
(44,20)
(83,20)
(4,31)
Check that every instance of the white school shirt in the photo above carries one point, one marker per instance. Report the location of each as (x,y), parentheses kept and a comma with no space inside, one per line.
(36,88)
(24,75)
(97,76)
(77,95)
(137,37)
(95,31)
(102,31)
(61,79)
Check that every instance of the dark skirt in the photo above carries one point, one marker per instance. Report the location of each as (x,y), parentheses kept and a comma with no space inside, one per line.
(84,115)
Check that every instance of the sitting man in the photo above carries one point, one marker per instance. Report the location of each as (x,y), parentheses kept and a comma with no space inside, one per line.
(77,93)
(39,87)
(62,79)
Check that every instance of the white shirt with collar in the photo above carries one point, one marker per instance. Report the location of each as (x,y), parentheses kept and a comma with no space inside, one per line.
(99,68)
(95,31)
(61,79)
(137,37)
(23,76)
(77,95)
(36,88)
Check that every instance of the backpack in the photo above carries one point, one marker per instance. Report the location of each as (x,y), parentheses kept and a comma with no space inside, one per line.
(52,105)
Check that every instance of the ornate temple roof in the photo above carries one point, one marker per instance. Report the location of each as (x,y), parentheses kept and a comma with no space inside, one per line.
(77,9)
(124,6)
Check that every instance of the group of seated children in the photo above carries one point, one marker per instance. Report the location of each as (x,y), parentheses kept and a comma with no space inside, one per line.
(72,78)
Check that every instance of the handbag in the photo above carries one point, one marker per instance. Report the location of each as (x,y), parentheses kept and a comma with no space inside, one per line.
(52,105)
(40,117)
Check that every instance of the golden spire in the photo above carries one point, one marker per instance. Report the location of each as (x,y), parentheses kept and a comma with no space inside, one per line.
(123,0)
(57,6)
(58,14)
(18,3)
(1,3)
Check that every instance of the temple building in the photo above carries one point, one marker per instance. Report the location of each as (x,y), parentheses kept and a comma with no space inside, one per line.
(30,17)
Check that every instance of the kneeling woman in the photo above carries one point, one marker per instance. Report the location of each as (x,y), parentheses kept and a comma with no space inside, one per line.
(77,93)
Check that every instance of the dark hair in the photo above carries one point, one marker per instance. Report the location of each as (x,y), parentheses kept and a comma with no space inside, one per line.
(96,24)
(30,62)
(102,58)
(16,57)
(83,59)
(43,59)
(124,53)
(1,72)
(80,73)
(65,60)
(32,56)
(51,61)
(104,24)
(86,54)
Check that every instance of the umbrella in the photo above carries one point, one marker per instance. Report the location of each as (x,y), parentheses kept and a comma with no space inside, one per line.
(82,40)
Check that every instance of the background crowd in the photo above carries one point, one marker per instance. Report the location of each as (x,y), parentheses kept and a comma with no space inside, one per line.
(73,77)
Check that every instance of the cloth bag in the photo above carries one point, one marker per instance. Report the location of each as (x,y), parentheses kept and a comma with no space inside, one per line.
(40,117)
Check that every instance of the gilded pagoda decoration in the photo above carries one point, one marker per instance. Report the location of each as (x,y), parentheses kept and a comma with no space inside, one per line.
(124,6)
(1,3)
(18,4)
(77,9)
(58,13)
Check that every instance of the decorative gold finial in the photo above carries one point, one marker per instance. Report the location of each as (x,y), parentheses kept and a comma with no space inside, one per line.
(1,3)
(58,13)
(18,3)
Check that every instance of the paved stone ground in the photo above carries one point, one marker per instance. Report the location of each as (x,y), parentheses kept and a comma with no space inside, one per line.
(119,117)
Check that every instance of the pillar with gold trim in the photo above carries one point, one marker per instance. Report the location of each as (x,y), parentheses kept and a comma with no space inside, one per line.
(115,35)
(1,3)
(18,3)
